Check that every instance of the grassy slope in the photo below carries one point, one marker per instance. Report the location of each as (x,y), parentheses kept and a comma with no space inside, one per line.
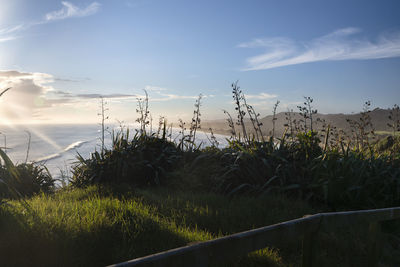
(94,227)
(84,227)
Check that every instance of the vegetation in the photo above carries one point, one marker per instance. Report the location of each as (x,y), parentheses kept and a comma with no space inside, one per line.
(92,226)
(321,167)
(148,192)
(27,179)
(143,160)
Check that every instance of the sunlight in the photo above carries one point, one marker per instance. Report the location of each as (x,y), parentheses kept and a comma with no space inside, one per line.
(7,122)
(18,111)
(43,137)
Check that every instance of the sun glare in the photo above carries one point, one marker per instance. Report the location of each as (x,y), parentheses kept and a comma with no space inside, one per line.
(44,137)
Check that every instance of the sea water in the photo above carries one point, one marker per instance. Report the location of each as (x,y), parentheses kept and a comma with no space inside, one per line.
(57,145)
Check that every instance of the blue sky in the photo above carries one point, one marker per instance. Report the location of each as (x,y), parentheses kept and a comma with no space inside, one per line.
(58,57)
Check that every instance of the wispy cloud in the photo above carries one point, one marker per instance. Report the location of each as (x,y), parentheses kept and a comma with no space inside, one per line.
(169,97)
(8,34)
(151,88)
(162,97)
(69,80)
(61,97)
(109,96)
(70,10)
(343,44)
(154,96)
(7,38)
(261,96)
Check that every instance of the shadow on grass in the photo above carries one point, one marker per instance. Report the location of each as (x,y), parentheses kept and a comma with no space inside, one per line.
(38,243)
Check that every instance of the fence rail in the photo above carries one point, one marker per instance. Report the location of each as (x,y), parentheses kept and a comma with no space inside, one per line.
(225,248)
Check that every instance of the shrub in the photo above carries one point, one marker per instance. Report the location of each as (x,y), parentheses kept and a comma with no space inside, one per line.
(142,161)
(25,179)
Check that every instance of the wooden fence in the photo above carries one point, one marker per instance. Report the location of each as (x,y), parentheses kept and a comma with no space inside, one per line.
(228,247)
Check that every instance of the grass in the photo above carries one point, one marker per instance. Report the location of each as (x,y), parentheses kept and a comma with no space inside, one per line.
(92,227)
(147,194)
(97,226)
(385,133)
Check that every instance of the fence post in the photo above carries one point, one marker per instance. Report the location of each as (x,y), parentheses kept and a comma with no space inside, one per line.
(310,238)
(374,244)
(309,249)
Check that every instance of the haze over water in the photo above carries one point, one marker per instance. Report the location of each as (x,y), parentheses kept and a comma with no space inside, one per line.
(57,145)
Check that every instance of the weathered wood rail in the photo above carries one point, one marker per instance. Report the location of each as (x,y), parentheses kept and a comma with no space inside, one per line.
(228,247)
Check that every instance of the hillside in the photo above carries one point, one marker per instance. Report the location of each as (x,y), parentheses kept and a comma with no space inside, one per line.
(379,118)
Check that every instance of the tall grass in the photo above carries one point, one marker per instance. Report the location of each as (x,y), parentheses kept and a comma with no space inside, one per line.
(321,167)
(94,227)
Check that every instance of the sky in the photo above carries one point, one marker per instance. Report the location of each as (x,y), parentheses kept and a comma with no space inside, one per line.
(60,57)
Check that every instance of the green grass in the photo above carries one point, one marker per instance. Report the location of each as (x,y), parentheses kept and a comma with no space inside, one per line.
(93,228)
(386,133)
(99,226)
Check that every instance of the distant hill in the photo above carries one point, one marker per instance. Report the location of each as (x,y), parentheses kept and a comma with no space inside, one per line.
(378,116)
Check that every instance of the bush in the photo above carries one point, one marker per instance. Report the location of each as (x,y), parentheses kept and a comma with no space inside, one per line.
(142,161)
(302,169)
(27,179)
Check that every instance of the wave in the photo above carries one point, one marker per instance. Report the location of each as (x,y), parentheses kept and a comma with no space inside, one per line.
(59,154)
(74,145)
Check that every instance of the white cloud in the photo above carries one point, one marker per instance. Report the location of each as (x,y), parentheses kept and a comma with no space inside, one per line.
(25,96)
(261,96)
(11,29)
(8,34)
(7,38)
(161,95)
(69,10)
(59,97)
(338,45)
(33,99)
(169,97)
(154,88)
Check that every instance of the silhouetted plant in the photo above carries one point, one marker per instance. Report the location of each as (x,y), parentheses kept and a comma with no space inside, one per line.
(231,125)
(103,118)
(181,134)
(258,124)
(5,142)
(362,128)
(170,131)
(394,117)
(195,123)
(29,146)
(290,124)
(307,112)
(212,139)
(161,125)
(143,111)
(238,96)
(274,118)
(254,120)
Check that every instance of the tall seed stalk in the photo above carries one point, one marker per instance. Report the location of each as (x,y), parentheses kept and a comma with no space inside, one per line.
(238,97)
(274,118)
(103,118)
(143,111)
(394,117)
(195,123)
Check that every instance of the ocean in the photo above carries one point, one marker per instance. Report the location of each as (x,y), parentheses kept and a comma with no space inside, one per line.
(57,145)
